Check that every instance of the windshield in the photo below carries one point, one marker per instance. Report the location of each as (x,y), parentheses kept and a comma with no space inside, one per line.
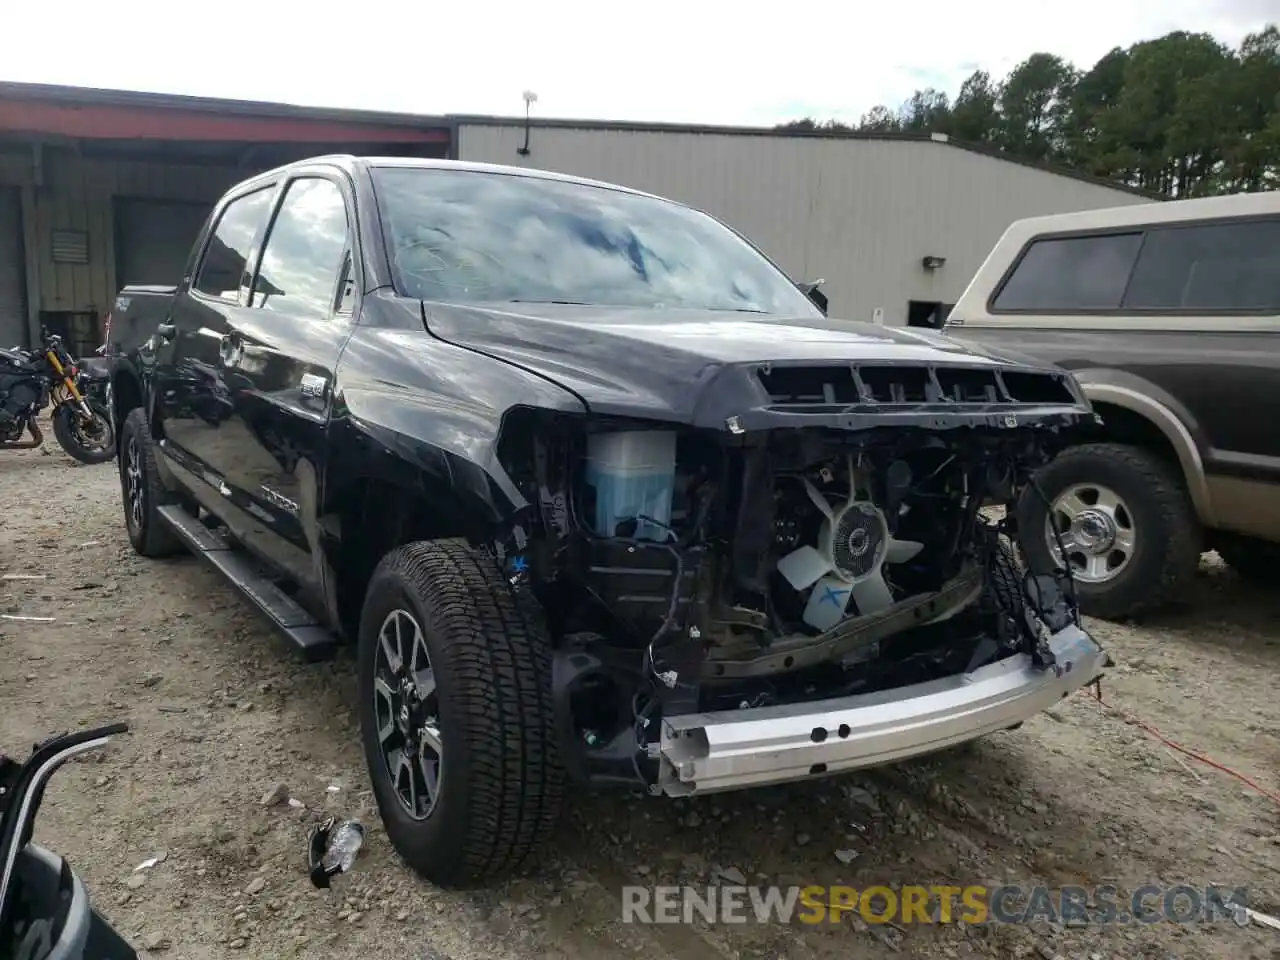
(471,236)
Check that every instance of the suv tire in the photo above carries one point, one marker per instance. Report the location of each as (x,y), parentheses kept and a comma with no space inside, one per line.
(482,705)
(141,491)
(1162,520)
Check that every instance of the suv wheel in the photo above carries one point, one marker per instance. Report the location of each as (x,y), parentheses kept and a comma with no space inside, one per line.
(1254,560)
(141,490)
(456,714)
(1126,523)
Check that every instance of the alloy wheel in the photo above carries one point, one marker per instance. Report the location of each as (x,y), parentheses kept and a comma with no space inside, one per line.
(134,488)
(406,708)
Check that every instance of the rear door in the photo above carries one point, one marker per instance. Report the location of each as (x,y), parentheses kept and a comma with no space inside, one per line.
(192,402)
(279,367)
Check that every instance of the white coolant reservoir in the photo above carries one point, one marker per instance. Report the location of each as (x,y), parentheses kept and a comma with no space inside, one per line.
(633,473)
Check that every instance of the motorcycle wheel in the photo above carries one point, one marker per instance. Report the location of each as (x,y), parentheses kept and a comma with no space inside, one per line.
(97,446)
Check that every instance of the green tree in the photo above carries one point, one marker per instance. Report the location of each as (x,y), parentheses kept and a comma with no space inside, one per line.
(1173,121)
(1035,106)
(1252,160)
(879,120)
(1182,115)
(975,115)
(1096,92)
(928,111)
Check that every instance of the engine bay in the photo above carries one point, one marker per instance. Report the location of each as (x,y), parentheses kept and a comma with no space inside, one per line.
(683,573)
(786,542)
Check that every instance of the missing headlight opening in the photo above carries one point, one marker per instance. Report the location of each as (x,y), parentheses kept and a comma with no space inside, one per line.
(692,571)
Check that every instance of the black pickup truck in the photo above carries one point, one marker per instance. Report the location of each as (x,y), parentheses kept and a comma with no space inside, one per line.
(598,494)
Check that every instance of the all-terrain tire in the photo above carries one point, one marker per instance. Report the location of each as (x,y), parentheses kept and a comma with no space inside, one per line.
(1253,560)
(1168,535)
(501,783)
(150,536)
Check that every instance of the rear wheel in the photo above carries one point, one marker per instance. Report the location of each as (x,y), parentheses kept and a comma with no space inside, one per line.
(142,492)
(456,714)
(1126,523)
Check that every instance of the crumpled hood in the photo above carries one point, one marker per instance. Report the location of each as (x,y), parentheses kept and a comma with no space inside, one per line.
(661,363)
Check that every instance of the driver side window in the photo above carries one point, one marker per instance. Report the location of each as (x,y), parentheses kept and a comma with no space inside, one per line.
(305,252)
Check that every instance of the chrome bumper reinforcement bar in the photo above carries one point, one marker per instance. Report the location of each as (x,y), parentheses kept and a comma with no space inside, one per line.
(728,750)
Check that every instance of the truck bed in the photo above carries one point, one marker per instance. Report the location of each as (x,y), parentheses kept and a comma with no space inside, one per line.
(137,311)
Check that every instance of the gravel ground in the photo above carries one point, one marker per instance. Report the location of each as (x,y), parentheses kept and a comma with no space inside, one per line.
(222,714)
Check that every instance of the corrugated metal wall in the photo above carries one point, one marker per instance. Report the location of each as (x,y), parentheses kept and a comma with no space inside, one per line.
(77,195)
(13,279)
(859,213)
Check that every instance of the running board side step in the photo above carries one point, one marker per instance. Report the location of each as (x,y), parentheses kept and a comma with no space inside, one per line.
(313,640)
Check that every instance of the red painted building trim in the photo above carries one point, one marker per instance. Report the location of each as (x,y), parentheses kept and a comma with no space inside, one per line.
(95,122)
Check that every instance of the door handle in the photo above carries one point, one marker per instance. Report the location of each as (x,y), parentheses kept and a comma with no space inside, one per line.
(166,331)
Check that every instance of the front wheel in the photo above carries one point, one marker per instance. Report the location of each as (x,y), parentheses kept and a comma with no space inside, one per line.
(1126,524)
(87,440)
(456,714)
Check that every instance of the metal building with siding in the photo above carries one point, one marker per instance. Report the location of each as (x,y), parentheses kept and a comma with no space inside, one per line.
(860,212)
(99,188)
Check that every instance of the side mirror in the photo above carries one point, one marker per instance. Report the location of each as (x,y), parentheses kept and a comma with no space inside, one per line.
(810,288)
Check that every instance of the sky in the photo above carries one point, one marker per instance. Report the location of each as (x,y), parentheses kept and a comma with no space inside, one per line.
(688,61)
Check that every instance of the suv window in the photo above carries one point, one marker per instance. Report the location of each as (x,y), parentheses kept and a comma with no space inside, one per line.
(1219,266)
(304,251)
(1071,274)
(225,258)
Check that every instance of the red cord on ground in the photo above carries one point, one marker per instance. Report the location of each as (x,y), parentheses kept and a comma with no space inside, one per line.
(1207,761)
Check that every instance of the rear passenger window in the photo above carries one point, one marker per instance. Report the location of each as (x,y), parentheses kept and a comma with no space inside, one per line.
(225,258)
(1071,274)
(304,251)
(1220,266)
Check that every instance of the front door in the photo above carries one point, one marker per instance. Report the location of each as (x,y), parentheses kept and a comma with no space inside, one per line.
(279,367)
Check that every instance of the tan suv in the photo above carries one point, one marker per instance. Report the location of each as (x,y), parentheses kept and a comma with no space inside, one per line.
(1169,315)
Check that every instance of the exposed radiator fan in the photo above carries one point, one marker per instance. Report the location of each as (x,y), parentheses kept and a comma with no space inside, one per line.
(853,546)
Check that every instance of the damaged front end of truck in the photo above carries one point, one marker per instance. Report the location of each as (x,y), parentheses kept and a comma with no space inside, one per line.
(799,577)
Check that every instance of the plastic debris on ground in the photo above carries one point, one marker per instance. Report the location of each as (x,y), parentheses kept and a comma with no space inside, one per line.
(332,849)
(151,862)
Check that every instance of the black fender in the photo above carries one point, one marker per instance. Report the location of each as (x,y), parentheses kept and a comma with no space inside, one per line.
(424,417)
(131,385)
(126,391)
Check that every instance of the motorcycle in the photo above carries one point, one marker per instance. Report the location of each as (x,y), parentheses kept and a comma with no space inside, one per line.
(45,913)
(31,380)
(93,378)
